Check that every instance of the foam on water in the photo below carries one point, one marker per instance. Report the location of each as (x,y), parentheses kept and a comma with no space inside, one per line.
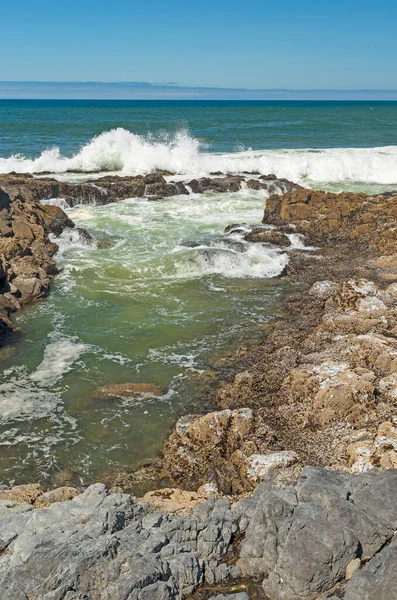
(125,152)
(71,238)
(32,395)
(255,261)
(59,357)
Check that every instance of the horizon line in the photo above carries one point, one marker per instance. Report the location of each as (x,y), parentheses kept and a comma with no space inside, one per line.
(140,90)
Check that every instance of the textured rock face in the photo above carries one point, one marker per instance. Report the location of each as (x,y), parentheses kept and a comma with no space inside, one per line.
(232,449)
(299,537)
(324,216)
(329,388)
(107,189)
(26,252)
(107,546)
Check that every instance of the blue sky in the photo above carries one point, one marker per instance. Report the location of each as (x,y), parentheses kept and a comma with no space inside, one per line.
(298,44)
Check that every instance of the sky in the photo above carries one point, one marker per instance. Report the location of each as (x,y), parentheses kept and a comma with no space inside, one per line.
(288,44)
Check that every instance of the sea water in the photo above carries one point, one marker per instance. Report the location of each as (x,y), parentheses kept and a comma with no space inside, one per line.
(169,291)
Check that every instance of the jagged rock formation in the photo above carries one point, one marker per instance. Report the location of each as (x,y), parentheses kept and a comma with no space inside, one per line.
(112,188)
(300,537)
(26,252)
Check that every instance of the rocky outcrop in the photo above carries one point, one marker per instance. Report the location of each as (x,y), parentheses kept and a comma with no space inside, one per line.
(33,493)
(229,451)
(328,389)
(114,188)
(109,546)
(298,537)
(26,252)
(324,216)
(302,539)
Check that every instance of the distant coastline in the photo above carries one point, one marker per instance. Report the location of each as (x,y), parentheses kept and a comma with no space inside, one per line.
(93,90)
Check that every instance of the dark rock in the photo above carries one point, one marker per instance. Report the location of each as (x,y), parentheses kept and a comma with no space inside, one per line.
(236,227)
(267,236)
(104,244)
(270,177)
(254,184)
(377,579)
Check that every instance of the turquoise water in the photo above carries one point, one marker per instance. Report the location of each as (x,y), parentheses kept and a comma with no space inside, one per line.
(170,291)
(30,126)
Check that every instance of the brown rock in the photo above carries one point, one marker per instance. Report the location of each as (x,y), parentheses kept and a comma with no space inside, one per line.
(200,448)
(267,236)
(22,493)
(173,500)
(127,390)
(61,494)
(22,230)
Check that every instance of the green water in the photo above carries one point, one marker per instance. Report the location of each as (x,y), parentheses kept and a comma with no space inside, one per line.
(147,309)
(152,307)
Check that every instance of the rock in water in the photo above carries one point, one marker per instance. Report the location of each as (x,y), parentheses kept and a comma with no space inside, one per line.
(128,390)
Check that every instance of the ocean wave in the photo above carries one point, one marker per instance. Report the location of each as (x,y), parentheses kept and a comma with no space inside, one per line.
(127,153)
(256,261)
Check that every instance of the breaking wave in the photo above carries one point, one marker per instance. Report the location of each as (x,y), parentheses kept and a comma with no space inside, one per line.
(122,151)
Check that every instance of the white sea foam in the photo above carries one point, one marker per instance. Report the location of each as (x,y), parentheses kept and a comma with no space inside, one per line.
(58,359)
(26,396)
(256,261)
(71,238)
(119,150)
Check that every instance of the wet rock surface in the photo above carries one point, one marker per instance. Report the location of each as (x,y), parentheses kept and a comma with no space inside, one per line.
(113,188)
(298,537)
(26,251)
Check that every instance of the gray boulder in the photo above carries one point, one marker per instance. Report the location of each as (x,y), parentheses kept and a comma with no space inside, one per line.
(108,546)
(301,538)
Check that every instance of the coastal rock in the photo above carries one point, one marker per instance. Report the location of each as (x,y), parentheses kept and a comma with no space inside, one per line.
(366,220)
(60,494)
(300,536)
(26,251)
(26,494)
(377,579)
(267,236)
(109,546)
(259,465)
(216,447)
(330,376)
(113,188)
(175,501)
(128,390)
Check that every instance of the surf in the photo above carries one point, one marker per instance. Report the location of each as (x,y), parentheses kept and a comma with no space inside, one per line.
(127,153)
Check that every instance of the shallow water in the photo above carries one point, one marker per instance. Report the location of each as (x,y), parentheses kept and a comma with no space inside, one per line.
(147,309)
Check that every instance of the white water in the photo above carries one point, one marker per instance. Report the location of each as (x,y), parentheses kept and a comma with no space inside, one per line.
(122,151)
(31,395)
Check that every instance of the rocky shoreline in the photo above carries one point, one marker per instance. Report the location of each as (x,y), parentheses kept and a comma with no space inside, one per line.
(244,511)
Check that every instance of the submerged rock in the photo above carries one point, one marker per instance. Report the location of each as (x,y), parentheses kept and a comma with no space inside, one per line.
(128,390)
(267,236)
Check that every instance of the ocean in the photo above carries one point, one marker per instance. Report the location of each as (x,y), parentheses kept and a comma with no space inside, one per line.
(170,294)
